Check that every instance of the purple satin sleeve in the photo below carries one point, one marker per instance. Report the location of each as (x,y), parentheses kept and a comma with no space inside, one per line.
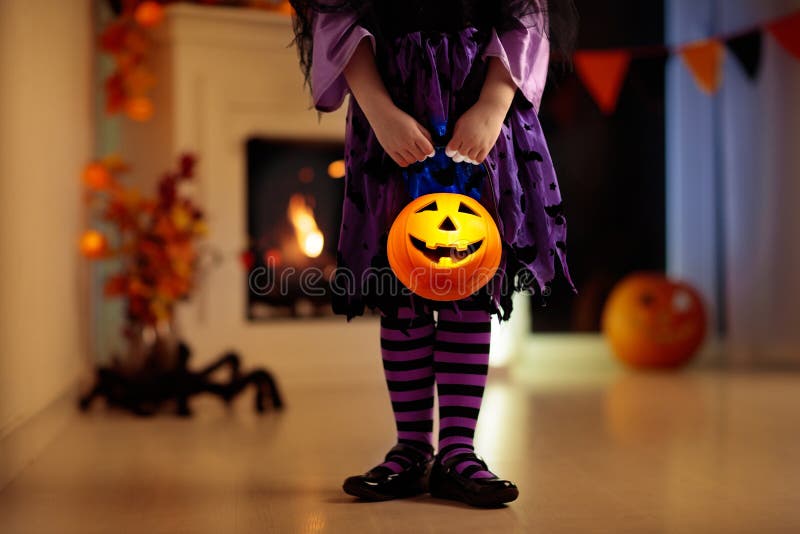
(525,52)
(336,36)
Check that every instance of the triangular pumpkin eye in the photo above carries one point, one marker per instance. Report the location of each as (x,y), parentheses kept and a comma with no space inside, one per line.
(429,207)
(463,208)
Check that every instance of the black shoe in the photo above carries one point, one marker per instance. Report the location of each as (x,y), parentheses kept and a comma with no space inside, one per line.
(446,483)
(381,484)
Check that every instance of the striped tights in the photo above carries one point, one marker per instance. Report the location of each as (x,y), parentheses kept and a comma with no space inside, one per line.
(450,354)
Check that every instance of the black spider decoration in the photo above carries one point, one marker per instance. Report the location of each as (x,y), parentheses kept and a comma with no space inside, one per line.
(145,392)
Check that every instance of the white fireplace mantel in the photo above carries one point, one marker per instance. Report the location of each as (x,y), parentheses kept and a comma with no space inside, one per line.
(225,75)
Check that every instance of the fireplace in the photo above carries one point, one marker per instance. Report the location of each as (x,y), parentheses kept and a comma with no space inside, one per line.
(294,195)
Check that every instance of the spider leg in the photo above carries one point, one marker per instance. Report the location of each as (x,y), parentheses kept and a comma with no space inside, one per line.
(230,359)
(265,385)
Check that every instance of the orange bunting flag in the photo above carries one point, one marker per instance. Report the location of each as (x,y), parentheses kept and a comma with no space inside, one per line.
(603,72)
(704,59)
(787,32)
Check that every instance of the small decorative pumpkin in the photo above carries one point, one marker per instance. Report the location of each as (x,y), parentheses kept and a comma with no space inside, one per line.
(444,246)
(651,321)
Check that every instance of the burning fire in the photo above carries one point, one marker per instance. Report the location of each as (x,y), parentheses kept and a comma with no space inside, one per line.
(309,237)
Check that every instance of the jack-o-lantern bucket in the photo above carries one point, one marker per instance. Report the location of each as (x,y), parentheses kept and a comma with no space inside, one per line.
(444,246)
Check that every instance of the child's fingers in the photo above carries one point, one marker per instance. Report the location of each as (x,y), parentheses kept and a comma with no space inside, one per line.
(453,147)
(425,149)
(420,147)
(466,153)
(424,143)
(416,153)
(410,156)
(399,158)
(473,154)
(426,146)
(425,133)
(461,155)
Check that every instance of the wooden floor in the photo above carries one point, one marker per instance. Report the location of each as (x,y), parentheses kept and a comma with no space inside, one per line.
(701,452)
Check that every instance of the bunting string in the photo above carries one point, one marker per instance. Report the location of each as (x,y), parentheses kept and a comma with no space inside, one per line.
(603,71)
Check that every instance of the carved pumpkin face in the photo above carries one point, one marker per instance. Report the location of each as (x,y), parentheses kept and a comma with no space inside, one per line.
(651,321)
(444,246)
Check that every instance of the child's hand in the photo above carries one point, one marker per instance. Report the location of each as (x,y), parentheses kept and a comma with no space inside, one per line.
(402,137)
(476,132)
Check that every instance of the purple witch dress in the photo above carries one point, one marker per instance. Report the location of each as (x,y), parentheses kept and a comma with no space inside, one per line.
(437,76)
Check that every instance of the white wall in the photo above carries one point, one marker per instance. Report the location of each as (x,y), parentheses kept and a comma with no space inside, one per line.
(45,139)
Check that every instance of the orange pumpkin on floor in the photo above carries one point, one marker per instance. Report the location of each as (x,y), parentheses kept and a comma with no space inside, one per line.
(651,321)
(444,246)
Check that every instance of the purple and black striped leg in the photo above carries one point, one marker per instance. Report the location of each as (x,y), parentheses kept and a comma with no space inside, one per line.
(407,350)
(461,363)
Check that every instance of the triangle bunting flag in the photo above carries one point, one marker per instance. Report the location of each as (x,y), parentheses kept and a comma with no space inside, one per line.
(603,73)
(787,32)
(704,60)
(747,49)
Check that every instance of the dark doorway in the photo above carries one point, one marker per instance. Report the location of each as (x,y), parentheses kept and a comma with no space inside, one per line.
(611,168)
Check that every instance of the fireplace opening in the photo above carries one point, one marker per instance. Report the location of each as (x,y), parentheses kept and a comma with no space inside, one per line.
(294,196)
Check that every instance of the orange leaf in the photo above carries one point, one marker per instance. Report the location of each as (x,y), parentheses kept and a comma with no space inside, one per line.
(139,81)
(139,109)
(96,176)
(149,14)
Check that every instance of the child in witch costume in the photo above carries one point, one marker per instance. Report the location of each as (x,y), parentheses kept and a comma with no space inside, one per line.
(466,76)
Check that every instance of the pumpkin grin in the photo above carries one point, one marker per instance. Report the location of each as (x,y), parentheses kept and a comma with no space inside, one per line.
(440,252)
(444,246)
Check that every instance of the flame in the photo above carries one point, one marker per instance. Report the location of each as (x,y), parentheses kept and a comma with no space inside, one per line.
(308,234)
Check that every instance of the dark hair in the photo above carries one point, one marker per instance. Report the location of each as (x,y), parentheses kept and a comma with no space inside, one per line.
(561,17)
